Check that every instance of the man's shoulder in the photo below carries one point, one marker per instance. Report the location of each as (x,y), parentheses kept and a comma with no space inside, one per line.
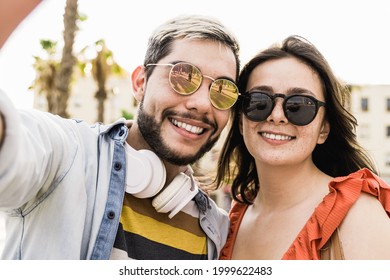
(208,206)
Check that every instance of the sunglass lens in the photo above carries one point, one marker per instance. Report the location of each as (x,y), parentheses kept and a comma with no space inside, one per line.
(185,78)
(257,106)
(300,110)
(223,94)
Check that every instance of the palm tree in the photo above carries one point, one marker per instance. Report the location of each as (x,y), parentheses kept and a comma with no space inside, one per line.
(53,77)
(46,69)
(103,66)
(63,77)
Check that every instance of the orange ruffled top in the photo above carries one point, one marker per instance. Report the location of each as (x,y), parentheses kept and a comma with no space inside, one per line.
(343,192)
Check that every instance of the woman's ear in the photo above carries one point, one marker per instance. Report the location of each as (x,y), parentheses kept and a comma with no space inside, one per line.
(324,133)
(138,82)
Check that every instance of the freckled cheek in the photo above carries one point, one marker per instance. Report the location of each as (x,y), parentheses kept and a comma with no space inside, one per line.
(301,149)
(248,127)
(307,141)
(251,141)
(251,138)
(309,134)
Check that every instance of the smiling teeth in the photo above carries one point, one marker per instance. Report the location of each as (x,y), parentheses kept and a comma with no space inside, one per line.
(276,136)
(188,127)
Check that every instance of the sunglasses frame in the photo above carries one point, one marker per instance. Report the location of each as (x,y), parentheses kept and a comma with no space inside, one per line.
(273,97)
(172,65)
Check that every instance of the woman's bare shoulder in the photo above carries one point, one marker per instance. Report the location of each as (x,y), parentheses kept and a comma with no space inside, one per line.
(365,230)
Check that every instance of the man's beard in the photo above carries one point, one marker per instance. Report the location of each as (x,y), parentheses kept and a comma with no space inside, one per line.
(151,132)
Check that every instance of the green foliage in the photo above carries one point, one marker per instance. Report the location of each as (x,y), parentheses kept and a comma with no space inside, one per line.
(127,115)
(49,46)
(82,17)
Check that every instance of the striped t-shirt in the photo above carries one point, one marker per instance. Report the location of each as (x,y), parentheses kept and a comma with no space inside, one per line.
(145,234)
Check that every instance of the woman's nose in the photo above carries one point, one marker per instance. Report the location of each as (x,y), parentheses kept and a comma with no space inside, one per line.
(277,115)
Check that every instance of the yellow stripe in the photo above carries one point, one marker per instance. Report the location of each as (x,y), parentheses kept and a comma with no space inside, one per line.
(161,232)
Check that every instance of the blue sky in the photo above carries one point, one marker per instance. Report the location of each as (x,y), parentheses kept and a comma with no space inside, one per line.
(353,35)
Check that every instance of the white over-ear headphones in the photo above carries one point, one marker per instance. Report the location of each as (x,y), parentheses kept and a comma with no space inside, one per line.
(146,175)
(176,195)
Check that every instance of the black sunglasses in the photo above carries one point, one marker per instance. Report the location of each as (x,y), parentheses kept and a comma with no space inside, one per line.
(299,109)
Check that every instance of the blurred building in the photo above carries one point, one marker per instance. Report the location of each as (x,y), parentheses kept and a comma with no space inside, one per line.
(370,104)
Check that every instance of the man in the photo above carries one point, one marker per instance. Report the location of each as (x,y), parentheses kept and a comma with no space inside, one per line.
(74,191)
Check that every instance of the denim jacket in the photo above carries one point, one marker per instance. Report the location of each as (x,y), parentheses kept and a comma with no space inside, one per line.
(62,184)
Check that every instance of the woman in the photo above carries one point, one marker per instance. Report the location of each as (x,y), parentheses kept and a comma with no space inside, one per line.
(303,188)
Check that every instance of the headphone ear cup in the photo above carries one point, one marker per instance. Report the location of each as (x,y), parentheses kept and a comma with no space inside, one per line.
(176,195)
(172,190)
(145,173)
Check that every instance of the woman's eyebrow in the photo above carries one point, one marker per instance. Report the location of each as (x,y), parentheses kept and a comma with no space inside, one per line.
(295,90)
(265,88)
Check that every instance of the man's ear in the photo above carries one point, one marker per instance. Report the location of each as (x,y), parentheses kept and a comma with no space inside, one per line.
(138,82)
(324,133)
